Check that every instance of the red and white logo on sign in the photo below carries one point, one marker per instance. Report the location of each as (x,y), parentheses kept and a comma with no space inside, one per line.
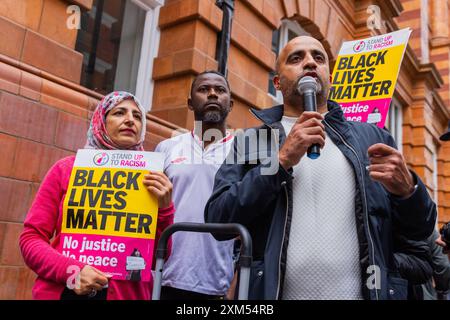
(359,46)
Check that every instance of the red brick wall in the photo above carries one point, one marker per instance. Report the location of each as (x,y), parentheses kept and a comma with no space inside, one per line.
(43,117)
(33,135)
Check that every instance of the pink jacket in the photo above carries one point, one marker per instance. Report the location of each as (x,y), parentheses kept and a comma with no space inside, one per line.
(44,221)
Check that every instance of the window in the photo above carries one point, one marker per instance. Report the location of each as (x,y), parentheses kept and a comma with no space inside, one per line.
(118,40)
(394,123)
(280,37)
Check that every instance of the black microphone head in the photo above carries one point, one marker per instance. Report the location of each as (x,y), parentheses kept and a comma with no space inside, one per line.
(308,84)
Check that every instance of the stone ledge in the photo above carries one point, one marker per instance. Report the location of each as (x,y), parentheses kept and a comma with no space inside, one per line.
(46,54)
(185,10)
(265,11)
(85,4)
(13,36)
(439,42)
(247,92)
(182,62)
(252,47)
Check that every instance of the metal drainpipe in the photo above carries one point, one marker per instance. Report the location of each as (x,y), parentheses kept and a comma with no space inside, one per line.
(227,7)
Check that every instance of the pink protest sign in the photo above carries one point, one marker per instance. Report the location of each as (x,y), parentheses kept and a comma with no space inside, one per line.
(112,254)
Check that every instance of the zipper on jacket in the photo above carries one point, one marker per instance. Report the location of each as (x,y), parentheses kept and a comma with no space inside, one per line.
(282,241)
(364,194)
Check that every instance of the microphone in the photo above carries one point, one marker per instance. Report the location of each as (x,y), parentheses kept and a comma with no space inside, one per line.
(308,87)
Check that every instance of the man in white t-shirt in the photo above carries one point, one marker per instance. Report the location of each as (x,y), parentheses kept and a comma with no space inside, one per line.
(199,267)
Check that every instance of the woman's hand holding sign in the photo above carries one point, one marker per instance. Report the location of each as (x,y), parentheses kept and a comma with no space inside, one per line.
(388,167)
(90,281)
(159,185)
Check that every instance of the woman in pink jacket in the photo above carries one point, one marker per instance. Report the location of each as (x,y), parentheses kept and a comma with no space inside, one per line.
(118,123)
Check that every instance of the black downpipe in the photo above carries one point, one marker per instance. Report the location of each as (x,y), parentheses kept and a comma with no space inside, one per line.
(223,47)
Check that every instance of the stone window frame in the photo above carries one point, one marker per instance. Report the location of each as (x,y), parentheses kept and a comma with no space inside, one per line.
(149,51)
(394,122)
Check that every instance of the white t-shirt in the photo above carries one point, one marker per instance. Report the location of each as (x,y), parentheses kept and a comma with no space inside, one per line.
(323,252)
(198,262)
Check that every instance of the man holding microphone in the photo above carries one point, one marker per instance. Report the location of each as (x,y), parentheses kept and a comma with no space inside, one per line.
(322,223)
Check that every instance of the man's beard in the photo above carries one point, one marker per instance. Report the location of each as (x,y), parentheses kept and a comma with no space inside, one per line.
(294,98)
(212,117)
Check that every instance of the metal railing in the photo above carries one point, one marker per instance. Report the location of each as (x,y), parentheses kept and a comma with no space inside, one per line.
(245,259)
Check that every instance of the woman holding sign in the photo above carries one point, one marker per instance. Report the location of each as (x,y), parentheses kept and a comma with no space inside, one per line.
(118,123)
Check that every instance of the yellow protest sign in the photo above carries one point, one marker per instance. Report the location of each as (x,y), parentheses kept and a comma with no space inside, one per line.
(109,217)
(365,75)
